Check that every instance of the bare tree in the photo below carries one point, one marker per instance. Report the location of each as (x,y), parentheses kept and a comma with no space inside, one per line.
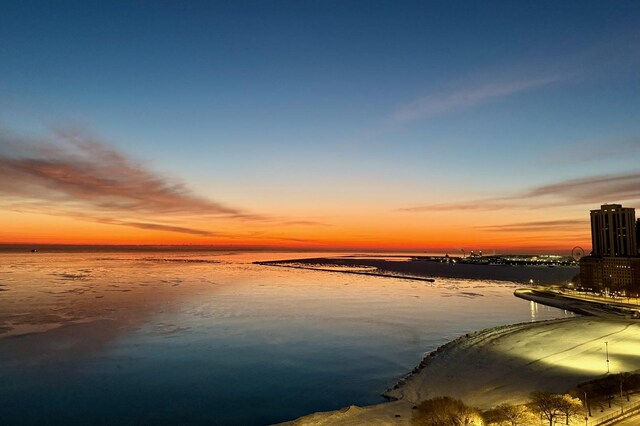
(628,382)
(569,406)
(445,411)
(547,405)
(511,415)
(608,387)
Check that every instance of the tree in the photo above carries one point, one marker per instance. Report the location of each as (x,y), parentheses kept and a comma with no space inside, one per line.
(624,379)
(445,411)
(546,404)
(569,406)
(512,415)
(608,387)
(628,382)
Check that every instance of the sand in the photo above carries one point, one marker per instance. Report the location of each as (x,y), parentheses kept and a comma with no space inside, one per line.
(505,364)
(387,414)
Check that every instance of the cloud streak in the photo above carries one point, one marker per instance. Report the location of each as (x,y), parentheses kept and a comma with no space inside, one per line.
(76,170)
(444,102)
(76,176)
(605,58)
(624,186)
(157,227)
(593,151)
(590,190)
(539,226)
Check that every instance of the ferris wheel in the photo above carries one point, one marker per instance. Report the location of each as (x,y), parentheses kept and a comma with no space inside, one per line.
(577,253)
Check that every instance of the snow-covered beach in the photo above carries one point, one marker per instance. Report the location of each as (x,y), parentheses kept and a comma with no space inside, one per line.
(506,364)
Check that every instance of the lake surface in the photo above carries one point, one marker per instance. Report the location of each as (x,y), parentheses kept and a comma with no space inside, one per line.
(195,338)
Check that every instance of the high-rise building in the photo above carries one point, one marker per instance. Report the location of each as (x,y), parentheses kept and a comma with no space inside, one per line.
(638,234)
(614,264)
(613,231)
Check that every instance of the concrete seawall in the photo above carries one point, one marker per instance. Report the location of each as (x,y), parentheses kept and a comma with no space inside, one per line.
(577,305)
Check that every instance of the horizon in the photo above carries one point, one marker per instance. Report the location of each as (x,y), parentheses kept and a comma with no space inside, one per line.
(452,252)
(305,126)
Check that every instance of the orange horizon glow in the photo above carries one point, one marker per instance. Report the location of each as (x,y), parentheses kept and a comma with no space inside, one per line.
(55,230)
(81,192)
(448,232)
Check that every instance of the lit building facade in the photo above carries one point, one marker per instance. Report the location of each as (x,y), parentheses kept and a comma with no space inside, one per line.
(611,274)
(614,264)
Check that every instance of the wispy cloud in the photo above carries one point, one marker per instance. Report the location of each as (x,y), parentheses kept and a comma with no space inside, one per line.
(482,204)
(539,226)
(589,190)
(77,176)
(606,58)
(157,227)
(443,102)
(72,169)
(592,151)
(594,189)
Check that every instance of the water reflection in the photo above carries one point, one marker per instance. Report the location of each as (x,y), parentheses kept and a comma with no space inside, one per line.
(203,338)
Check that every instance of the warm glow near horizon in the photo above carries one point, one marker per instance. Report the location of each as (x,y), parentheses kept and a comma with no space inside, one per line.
(30,228)
(386,128)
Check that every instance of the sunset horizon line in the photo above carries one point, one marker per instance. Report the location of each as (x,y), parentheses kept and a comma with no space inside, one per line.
(452,251)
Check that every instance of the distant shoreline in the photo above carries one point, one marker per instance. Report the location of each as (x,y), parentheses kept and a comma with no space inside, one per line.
(430,270)
(373,274)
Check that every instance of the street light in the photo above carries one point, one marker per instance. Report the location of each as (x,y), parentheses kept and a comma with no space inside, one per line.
(620,377)
(587,406)
(606,345)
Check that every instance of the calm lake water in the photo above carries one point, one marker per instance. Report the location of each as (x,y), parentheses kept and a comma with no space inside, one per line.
(190,338)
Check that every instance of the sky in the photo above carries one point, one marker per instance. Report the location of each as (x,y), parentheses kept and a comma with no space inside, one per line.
(391,125)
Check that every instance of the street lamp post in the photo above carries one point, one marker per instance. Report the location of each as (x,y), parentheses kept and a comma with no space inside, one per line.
(586,405)
(606,345)
(621,400)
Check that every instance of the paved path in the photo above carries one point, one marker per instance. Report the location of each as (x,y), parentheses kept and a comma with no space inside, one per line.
(630,421)
(575,304)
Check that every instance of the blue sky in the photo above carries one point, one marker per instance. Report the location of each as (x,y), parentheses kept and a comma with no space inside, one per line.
(255,103)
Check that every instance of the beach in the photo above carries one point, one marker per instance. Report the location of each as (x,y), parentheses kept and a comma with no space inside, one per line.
(504,365)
